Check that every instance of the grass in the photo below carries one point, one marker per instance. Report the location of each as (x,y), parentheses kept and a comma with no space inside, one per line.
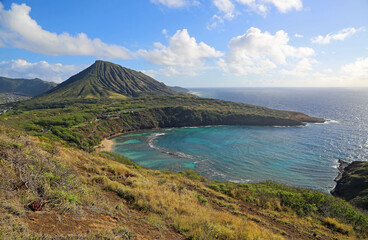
(184,205)
(84,123)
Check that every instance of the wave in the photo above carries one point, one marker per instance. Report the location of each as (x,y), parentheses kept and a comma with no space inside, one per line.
(241,181)
(196,93)
(305,125)
(329,121)
(152,138)
(151,144)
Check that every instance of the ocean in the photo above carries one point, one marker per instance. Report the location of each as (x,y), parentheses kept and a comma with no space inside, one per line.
(303,156)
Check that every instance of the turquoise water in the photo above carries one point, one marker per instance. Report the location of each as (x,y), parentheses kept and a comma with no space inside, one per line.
(297,156)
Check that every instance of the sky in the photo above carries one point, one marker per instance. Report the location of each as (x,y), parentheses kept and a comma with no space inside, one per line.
(191,43)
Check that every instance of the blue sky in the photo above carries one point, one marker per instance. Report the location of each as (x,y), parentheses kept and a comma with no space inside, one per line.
(191,43)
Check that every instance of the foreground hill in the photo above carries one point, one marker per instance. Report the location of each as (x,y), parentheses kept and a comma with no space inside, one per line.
(52,191)
(27,87)
(106,80)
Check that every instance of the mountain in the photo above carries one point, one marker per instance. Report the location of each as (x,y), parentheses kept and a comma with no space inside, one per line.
(178,89)
(28,87)
(107,80)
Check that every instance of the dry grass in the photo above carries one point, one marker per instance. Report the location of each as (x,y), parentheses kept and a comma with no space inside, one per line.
(75,183)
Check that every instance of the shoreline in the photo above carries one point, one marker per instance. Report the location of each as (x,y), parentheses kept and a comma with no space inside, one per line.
(106,145)
(341,168)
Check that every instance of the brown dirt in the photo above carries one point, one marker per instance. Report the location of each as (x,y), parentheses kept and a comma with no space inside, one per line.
(53,224)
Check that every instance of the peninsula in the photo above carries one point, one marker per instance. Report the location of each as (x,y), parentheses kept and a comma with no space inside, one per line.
(106,99)
(53,183)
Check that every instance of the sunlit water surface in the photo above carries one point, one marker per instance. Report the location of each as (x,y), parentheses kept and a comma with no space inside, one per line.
(298,156)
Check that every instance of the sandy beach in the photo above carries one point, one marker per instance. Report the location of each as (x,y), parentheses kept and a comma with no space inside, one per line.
(105,145)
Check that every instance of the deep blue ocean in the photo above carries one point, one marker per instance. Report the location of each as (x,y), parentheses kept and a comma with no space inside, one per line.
(303,156)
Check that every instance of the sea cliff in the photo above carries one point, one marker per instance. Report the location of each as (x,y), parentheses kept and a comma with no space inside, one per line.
(352,183)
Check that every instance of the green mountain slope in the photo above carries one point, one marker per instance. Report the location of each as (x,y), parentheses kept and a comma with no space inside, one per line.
(106,80)
(28,87)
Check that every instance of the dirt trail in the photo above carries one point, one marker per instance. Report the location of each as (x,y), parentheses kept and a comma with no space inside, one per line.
(51,223)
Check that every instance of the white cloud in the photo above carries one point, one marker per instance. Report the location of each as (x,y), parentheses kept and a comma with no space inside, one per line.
(183,50)
(172,71)
(176,3)
(340,35)
(357,70)
(302,68)
(226,7)
(50,72)
(298,35)
(229,9)
(286,5)
(18,29)
(257,52)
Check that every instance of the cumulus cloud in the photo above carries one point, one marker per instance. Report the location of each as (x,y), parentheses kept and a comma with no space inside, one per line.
(340,35)
(50,72)
(176,3)
(302,68)
(257,52)
(357,70)
(183,50)
(183,56)
(18,29)
(228,9)
(286,5)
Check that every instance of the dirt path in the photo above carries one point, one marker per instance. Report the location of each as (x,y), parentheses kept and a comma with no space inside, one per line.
(52,224)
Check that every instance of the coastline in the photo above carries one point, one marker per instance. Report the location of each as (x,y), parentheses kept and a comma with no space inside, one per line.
(342,166)
(106,145)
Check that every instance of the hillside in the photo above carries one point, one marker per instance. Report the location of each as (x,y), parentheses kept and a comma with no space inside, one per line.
(353,184)
(27,87)
(52,191)
(85,123)
(179,89)
(106,80)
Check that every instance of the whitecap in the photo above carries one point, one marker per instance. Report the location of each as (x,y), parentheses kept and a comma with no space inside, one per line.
(151,144)
(328,121)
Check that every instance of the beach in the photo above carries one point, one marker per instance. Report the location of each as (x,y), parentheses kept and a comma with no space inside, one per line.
(105,145)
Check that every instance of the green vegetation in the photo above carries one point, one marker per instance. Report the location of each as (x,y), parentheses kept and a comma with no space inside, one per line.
(28,87)
(80,194)
(303,202)
(106,196)
(84,123)
(179,89)
(353,185)
(106,99)
(105,80)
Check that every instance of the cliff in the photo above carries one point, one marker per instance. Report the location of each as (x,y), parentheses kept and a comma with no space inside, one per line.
(352,184)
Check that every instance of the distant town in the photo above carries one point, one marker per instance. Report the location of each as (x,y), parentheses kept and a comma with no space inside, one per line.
(6,98)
